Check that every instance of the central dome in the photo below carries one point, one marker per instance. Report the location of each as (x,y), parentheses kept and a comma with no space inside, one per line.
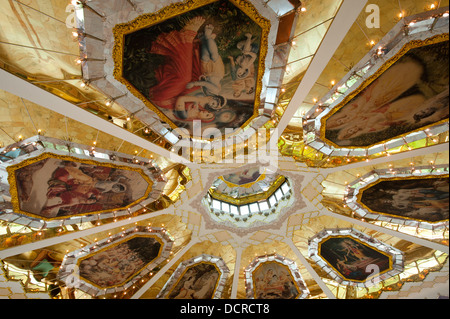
(248,197)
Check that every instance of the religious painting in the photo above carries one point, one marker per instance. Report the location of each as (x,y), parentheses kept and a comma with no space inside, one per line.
(410,92)
(53,186)
(353,259)
(201,60)
(272,280)
(418,198)
(114,266)
(245,177)
(197,282)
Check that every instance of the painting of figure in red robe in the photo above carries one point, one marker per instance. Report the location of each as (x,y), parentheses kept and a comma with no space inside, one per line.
(411,94)
(424,199)
(352,259)
(273,280)
(201,65)
(60,187)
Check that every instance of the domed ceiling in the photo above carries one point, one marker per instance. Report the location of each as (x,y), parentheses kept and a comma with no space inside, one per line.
(224,149)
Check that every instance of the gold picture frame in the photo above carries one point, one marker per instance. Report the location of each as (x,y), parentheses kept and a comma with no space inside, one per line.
(174,10)
(404,50)
(15,194)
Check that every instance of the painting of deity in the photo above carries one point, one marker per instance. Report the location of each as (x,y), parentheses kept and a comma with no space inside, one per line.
(247,176)
(53,186)
(272,280)
(424,199)
(409,95)
(201,65)
(197,282)
(114,266)
(352,259)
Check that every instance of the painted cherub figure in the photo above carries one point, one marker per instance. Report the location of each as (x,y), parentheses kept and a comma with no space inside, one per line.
(243,67)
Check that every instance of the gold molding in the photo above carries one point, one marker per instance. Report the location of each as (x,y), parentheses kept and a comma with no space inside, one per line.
(319,253)
(14,190)
(161,249)
(361,192)
(407,47)
(171,11)
(251,198)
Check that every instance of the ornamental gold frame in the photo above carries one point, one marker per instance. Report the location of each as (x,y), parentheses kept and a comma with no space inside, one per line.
(161,249)
(407,47)
(251,198)
(319,253)
(384,179)
(14,190)
(171,11)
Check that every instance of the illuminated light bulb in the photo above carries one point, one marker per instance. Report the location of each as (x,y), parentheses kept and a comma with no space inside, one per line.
(128,118)
(75,34)
(445,15)
(108,103)
(432,6)
(372,42)
(303,9)
(333,82)
(400,15)
(83,84)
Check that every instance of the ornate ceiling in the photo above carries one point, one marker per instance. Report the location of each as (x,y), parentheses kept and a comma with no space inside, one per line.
(235,186)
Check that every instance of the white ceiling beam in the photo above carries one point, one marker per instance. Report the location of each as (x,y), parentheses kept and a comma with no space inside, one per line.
(32,93)
(343,21)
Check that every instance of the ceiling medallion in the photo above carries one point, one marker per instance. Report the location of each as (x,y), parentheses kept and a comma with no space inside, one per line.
(199,60)
(117,262)
(248,198)
(353,258)
(274,277)
(201,277)
(53,182)
(362,115)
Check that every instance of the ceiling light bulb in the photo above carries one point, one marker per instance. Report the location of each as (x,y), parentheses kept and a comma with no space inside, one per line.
(303,9)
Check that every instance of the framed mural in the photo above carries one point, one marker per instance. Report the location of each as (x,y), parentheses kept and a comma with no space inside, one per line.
(354,258)
(424,199)
(396,95)
(200,60)
(117,262)
(416,197)
(52,186)
(202,277)
(408,95)
(274,277)
(71,183)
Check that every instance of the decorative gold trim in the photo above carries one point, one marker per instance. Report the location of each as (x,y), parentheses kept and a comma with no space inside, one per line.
(173,10)
(361,192)
(300,291)
(191,266)
(14,190)
(157,238)
(251,198)
(407,47)
(361,242)
(247,185)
